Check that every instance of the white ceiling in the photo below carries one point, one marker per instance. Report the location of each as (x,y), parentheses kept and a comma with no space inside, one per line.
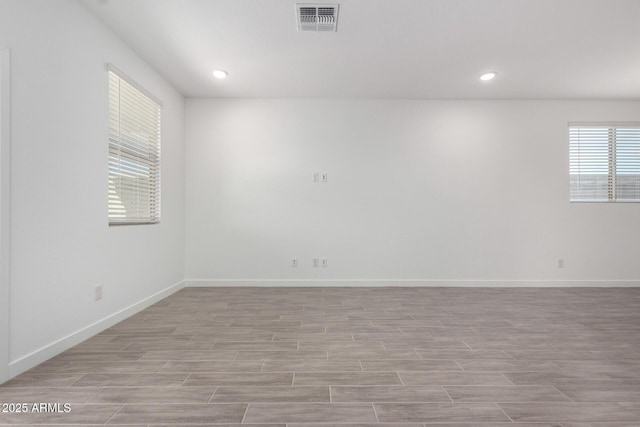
(541,49)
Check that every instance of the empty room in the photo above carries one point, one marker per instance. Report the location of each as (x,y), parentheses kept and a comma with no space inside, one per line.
(279,213)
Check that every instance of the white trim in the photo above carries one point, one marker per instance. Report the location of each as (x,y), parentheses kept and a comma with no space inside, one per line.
(502,283)
(123,76)
(605,124)
(5,212)
(27,362)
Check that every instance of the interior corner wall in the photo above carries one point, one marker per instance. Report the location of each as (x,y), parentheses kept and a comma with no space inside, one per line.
(62,245)
(418,192)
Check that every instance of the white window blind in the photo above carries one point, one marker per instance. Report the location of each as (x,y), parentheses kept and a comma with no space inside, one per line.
(134,152)
(604,163)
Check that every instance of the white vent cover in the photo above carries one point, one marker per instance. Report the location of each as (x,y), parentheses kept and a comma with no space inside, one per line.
(317,17)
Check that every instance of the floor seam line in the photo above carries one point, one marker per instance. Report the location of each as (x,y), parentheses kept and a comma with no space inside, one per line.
(375,412)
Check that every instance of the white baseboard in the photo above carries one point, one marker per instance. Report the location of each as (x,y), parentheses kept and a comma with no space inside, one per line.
(411,283)
(33,359)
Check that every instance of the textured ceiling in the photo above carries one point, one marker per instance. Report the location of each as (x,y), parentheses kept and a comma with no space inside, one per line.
(541,49)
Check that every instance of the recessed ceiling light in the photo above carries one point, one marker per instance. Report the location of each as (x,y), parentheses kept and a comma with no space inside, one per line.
(220,74)
(488,76)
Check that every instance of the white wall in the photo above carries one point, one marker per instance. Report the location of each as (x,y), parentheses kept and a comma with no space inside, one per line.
(434,192)
(61,243)
(5,207)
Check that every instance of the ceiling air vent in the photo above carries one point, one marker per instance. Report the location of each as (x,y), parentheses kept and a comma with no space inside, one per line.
(317,17)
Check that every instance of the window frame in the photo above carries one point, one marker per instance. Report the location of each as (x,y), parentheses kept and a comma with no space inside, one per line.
(613,159)
(134,152)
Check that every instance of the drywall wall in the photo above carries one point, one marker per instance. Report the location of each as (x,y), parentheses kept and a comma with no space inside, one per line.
(62,245)
(5,207)
(417,192)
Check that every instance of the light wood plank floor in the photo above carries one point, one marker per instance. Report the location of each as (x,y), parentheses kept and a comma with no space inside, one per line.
(305,357)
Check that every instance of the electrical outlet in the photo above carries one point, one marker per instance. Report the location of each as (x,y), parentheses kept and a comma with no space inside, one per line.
(324,262)
(294,262)
(325,177)
(316,176)
(316,262)
(97,293)
(560,263)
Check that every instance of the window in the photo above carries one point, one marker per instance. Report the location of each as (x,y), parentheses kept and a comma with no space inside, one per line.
(134,152)
(604,163)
